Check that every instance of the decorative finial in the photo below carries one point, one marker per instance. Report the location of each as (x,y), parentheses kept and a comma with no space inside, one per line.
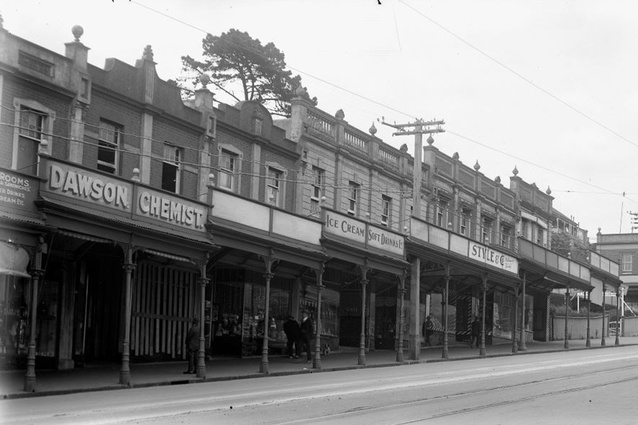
(404,148)
(77,32)
(373,129)
(204,79)
(515,171)
(456,156)
(430,140)
(477,166)
(340,115)
(497,179)
(148,53)
(548,191)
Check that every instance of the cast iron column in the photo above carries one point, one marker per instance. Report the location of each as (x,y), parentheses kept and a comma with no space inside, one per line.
(588,340)
(617,342)
(125,371)
(317,360)
(602,340)
(515,325)
(201,354)
(446,299)
(566,344)
(414,341)
(400,330)
(36,275)
(362,339)
(483,313)
(522,343)
(263,367)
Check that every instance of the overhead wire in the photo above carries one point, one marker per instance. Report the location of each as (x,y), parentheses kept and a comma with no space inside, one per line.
(368,99)
(483,53)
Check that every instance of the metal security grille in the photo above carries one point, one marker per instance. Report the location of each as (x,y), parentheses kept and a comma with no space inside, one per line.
(164,301)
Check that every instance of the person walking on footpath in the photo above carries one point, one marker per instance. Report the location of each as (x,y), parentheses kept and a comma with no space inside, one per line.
(476,333)
(307,330)
(428,326)
(192,345)
(292,331)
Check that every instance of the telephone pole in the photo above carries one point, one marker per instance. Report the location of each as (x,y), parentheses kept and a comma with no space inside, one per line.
(418,128)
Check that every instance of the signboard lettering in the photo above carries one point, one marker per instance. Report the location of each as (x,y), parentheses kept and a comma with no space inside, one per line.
(493,258)
(170,209)
(364,233)
(14,190)
(87,186)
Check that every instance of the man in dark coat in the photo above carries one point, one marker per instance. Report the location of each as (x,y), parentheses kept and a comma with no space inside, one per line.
(292,331)
(192,345)
(426,330)
(307,330)
(476,333)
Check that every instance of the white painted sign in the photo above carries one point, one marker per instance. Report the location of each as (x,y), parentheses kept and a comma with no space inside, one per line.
(170,209)
(364,233)
(89,187)
(493,258)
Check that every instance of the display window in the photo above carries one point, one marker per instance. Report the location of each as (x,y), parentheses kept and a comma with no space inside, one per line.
(14,338)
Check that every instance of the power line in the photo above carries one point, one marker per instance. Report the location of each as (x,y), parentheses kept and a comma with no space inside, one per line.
(519,75)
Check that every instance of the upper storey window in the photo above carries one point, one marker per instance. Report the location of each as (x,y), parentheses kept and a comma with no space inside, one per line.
(353,197)
(227,169)
(386,210)
(171,168)
(32,122)
(108,147)
(274,186)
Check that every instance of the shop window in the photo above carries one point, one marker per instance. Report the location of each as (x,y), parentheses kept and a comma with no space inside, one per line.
(109,143)
(14,338)
(171,168)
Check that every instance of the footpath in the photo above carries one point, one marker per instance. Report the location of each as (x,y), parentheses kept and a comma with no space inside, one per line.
(100,377)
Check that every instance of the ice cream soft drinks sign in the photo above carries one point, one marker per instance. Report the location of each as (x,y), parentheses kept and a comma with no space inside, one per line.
(363,233)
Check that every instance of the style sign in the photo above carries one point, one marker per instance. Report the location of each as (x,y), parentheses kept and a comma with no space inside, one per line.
(494,258)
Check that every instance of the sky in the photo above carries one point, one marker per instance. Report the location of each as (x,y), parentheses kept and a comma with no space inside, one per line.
(546,86)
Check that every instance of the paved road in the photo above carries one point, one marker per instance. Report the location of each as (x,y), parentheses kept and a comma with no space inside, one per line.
(565,387)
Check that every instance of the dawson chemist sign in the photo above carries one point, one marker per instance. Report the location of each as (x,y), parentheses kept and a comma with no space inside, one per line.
(97,189)
(363,233)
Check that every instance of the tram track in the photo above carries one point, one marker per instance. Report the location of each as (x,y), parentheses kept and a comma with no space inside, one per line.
(347,415)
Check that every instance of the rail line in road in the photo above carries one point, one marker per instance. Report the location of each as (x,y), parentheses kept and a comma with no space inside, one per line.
(354,415)
(436,393)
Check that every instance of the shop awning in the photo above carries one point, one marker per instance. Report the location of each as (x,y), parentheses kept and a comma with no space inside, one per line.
(13,260)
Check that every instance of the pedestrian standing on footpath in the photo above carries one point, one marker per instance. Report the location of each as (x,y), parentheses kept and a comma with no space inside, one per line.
(292,331)
(476,333)
(428,326)
(192,345)
(307,330)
